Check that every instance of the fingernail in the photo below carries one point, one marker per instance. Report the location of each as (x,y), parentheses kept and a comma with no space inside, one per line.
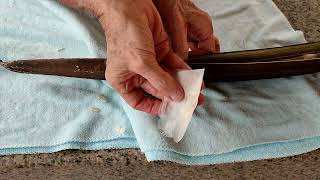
(178,96)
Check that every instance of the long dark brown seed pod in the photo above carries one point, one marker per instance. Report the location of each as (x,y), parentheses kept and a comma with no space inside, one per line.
(235,66)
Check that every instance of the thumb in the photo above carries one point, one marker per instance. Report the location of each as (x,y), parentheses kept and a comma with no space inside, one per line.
(164,84)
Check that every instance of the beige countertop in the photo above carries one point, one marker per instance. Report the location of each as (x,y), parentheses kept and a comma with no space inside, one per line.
(131,164)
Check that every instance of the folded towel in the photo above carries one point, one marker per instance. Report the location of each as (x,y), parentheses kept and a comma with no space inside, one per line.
(240,121)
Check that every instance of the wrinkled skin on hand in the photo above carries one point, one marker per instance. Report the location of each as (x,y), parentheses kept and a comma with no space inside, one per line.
(140,58)
(188,27)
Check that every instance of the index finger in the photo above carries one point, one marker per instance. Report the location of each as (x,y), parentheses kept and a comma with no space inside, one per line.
(137,99)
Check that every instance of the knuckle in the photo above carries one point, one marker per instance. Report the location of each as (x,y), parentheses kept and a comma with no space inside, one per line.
(206,17)
(107,76)
(138,65)
(111,81)
(162,49)
(163,84)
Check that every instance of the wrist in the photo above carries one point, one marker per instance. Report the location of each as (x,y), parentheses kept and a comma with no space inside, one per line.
(97,7)
(117,15)
(92,6)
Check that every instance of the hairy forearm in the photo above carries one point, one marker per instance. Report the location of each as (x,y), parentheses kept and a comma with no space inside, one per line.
(92,6)
(120,19)
(100,7)
(111,13)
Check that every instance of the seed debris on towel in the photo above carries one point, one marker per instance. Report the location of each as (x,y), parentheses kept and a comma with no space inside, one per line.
(94,109)
(102,97)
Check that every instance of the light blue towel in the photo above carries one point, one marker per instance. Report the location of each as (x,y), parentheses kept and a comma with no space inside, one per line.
(240,121)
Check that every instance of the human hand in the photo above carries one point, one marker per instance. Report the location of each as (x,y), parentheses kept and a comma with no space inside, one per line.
(139,55)
(188,27)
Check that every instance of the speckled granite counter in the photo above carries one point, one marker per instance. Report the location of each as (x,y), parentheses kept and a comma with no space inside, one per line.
(130,164)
